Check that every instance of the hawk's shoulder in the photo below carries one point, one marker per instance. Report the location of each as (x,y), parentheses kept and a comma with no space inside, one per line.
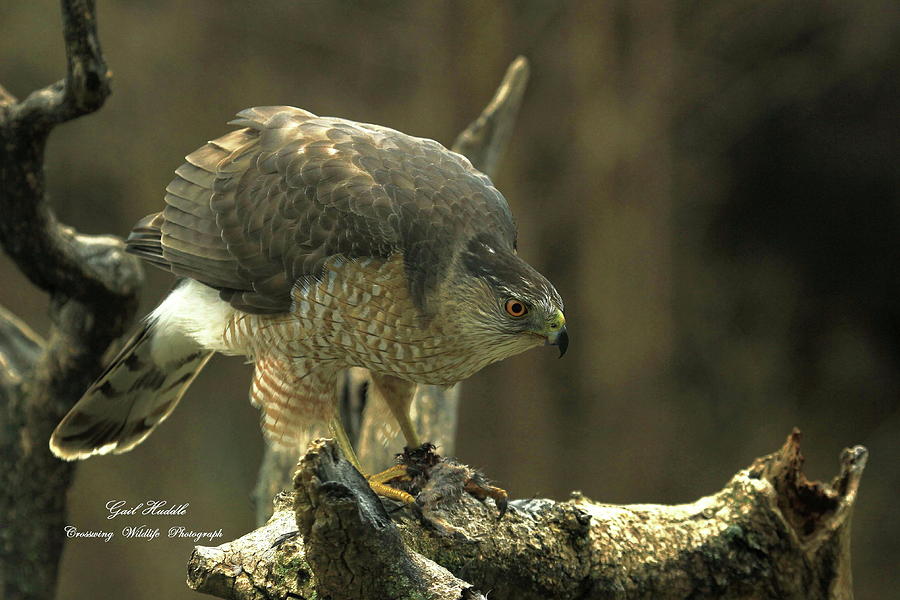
(255,210)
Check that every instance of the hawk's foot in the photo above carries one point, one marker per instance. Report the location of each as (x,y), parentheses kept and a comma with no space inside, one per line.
(427,482)
(408,476)
(379,484)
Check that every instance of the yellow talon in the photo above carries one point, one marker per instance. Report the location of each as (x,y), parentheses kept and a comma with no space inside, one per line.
(395,472)
(378,481)
(383,489)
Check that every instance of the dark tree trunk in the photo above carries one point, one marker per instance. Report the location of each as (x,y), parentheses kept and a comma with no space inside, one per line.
(93,288)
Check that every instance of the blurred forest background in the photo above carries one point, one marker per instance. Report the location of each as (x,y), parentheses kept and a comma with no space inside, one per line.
(712,186)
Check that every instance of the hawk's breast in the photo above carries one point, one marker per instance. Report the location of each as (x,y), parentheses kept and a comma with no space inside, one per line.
(359,314)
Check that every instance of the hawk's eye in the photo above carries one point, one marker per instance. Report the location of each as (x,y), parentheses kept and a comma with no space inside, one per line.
(516,308)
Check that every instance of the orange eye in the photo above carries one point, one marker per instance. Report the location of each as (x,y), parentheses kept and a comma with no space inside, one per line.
(516,308)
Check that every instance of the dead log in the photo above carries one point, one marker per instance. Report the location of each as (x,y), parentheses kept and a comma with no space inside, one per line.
(769,533)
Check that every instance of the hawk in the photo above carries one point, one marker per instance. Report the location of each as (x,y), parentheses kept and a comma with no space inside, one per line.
(310,245)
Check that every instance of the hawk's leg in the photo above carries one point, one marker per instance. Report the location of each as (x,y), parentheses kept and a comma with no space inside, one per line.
(398,394)
(377,481)
(340,436)
(415,471)
(293,391)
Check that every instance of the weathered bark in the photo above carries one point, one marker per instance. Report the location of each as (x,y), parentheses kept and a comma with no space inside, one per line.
(769,533)
(93,289)
(434,409)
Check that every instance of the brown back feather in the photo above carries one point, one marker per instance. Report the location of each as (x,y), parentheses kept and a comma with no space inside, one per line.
(256,210)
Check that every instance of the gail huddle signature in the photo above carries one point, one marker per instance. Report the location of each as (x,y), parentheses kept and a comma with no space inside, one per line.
(150,507)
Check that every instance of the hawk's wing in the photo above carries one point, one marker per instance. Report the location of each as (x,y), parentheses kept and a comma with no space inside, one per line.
(253,211)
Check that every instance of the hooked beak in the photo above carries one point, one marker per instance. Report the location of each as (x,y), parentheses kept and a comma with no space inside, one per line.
(559,338)
(557,335)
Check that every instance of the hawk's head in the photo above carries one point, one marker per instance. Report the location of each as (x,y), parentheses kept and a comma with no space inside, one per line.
(503,304)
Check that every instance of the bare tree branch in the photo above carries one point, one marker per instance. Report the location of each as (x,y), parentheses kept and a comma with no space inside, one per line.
(86,85)
(769,533)
(85,268)
(266,563)
(485,140)
(20,348)
(6,99)
(93,287)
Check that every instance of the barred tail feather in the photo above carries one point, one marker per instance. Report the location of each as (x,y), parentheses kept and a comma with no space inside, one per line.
(135,393)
